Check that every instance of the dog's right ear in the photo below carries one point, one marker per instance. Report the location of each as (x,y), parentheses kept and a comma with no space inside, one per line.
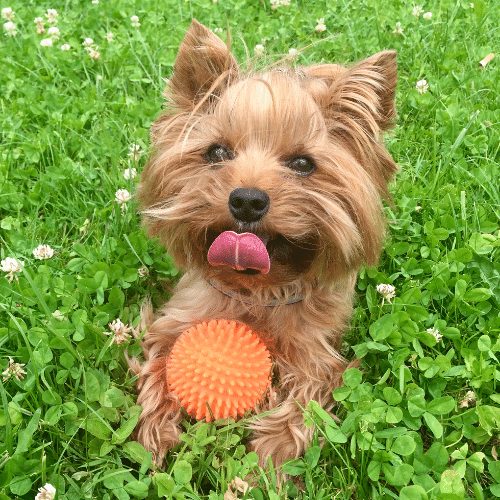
(204,65)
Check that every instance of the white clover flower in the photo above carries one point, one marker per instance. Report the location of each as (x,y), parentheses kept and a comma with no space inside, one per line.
(435,333)
(143,271)
(54,32)
(293,53)
(58,315)
(95,2)
(259,50)
(388,292)
(122,196)
(134,21)
(109,37)
(94,53)
(236,486)
(52,16)
(65,47)
(471,5)
(116,326)
(320,26)
(417,10)
(398,29)
(91,48)
(134,152)
(239,485)
(279,3)
(218,30)
(46,42)
(46,492)
(230,495)
(8,13)
(422,86)
(40,25)
(119,330)
(11,266)
(427,16)
(10,28)
(85,226)
(129,173)
(468,400)
(13,370)
(43,252)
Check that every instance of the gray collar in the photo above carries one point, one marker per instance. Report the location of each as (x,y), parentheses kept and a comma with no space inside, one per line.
(237,296)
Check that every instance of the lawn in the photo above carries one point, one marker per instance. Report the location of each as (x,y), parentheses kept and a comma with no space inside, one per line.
(418,420)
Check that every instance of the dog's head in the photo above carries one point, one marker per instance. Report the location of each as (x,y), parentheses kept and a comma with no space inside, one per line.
(292,156)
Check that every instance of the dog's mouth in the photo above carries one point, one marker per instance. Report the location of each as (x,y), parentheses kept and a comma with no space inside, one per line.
(249,271)
(255,253)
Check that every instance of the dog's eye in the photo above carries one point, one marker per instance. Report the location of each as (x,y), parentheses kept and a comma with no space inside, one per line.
(218,153)
(302,165)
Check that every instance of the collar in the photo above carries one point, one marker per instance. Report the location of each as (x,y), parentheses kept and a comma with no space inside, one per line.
(237,296)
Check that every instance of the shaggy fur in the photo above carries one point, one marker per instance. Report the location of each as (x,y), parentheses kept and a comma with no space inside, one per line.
(320,228)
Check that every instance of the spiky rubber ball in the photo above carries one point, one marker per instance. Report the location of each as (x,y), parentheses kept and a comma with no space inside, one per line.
(218,369)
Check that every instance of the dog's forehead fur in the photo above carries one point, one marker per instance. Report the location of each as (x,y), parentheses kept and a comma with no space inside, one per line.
(271,110)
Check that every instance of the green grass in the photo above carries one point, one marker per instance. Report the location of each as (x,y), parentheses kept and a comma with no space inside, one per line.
(66,125)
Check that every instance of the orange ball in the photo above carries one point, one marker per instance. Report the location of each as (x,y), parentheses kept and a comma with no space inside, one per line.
(218,369)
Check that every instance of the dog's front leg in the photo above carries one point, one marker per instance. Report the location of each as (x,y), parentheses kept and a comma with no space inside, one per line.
(282,434)
(158,428)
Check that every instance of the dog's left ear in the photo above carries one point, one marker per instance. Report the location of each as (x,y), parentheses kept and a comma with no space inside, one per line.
(204,64)
(363,93)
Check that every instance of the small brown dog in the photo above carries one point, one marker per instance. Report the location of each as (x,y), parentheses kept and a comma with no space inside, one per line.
(295,158)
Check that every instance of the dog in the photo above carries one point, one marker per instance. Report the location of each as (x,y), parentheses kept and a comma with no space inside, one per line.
(293,159)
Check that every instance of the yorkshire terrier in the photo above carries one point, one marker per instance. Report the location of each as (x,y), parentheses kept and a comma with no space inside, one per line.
(281,175)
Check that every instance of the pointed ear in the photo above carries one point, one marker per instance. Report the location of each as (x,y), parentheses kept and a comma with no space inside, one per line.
(378,76)
(203,64)
(364,93)
(358,105)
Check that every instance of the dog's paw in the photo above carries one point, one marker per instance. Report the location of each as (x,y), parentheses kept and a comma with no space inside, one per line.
(158,437)
(158,428)
(281,435)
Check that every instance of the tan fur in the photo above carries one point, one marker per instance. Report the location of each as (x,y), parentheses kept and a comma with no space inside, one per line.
(334,114)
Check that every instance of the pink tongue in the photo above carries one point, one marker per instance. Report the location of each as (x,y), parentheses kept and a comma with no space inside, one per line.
(240,251)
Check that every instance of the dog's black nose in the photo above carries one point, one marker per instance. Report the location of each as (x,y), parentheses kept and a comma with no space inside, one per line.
(248,205)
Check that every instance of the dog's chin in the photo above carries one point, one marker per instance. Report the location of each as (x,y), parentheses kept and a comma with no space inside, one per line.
(290,259)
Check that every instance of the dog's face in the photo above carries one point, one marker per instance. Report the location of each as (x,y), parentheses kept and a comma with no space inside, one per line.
(291,156)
